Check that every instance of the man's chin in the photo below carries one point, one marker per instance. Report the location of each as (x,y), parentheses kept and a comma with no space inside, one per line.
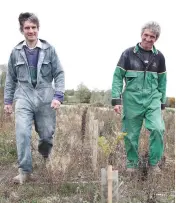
(32,39)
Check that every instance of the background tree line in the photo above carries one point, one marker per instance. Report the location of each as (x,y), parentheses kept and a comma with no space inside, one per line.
(97,97)
(81,95)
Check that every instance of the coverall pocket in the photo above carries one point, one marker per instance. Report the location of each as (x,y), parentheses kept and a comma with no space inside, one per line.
(22,73)
(46,69)
(46,94)
(131,80)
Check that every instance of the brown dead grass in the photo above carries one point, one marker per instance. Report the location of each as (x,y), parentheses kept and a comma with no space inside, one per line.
(73,160)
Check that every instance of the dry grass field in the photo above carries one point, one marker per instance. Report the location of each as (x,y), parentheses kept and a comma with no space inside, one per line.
(87,139)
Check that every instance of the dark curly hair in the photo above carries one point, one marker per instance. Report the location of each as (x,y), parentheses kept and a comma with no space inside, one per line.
(28,16)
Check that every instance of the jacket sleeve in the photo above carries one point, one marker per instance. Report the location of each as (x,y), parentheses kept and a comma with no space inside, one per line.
(162,81)
(11,81)
(58,75)
(117,84)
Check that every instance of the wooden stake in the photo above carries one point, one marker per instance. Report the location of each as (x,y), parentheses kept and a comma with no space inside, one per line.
(109,184)
(105,180)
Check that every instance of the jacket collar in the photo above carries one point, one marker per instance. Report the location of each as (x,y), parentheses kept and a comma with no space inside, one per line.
(39,44)
(42,44)
(136,49)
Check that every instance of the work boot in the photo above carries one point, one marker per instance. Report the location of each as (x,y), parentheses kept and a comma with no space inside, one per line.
(131,171)
(44,149)
(23,177)
(155,169)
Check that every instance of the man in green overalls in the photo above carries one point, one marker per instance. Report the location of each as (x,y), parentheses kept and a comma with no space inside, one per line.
(144,96)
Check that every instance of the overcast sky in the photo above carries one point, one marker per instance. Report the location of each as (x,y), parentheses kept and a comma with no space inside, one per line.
(90,35)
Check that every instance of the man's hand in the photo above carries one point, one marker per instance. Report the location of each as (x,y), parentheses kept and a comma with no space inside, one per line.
(118,108)
(55,104)
(8,108)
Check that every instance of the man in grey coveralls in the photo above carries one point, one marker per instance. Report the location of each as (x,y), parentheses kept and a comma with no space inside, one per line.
(32,66)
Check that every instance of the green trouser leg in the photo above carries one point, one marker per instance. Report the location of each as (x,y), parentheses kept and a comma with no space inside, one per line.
(132,127)
(155,124)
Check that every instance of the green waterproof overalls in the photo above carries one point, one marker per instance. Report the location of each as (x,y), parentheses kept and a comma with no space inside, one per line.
(142,98)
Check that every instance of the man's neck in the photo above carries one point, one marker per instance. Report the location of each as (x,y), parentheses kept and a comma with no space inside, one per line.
(144,48)
(31,44)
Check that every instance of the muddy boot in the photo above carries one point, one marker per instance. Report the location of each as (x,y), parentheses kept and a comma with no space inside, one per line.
(131,171)
(44,149)
(23,177)
(155,169)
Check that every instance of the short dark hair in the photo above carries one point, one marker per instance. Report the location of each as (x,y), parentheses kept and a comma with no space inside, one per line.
(27,16)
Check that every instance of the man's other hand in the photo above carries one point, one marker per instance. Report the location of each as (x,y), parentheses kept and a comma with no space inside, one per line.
(118,109)
(8,108)
(55,104)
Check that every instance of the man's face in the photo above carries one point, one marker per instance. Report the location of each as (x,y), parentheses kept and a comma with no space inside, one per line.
(30,31)
(148,39)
